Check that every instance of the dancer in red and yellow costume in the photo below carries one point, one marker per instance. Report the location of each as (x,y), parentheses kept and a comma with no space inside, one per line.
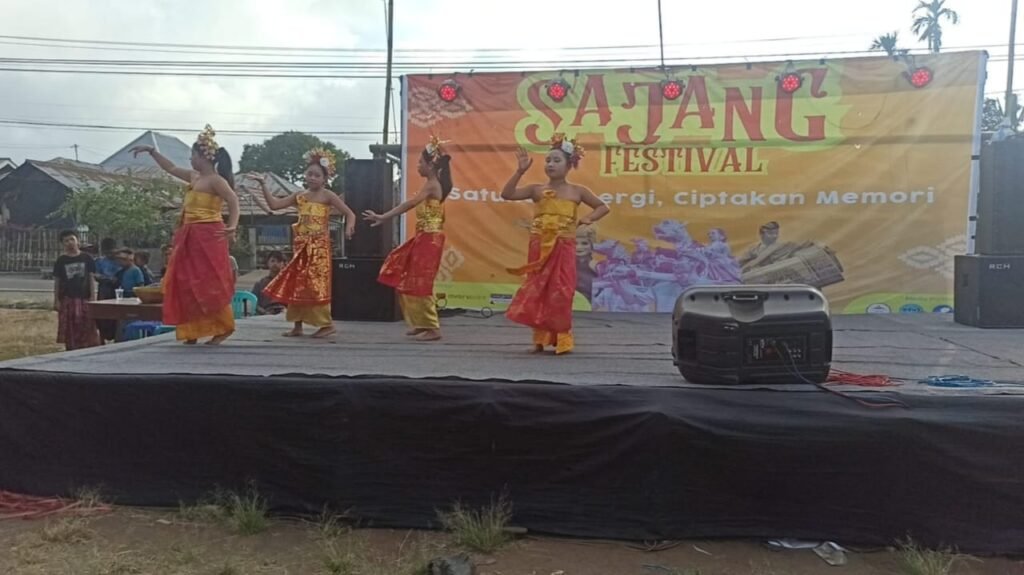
(304,285)
(200,284)
(544,301)
(411,267)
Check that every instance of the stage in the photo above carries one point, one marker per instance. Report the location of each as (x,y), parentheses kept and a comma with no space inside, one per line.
(606,442)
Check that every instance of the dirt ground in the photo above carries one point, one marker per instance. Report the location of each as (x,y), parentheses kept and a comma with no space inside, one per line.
(129,541)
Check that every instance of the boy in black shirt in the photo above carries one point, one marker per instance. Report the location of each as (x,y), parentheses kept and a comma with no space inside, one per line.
(73,287)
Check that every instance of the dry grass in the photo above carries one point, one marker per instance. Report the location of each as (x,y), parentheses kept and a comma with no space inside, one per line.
(916,560)
(25,333)
(484,530)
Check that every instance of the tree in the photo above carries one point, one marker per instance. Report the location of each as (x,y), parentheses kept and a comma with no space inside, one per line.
(135,212)
(928,22)
(282,155)
(992,115)
(888,42)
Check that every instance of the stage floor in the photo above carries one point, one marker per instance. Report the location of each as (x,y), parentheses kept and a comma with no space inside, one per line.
(612,349)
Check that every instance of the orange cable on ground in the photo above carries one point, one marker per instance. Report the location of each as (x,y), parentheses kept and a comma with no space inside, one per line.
(19,506)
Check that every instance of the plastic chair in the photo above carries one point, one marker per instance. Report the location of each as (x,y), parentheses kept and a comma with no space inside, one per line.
(244,304)
(140,329)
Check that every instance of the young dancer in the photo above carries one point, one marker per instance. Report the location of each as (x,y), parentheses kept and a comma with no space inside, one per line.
(544,301)
(199,284)
(411,267)
(304,285)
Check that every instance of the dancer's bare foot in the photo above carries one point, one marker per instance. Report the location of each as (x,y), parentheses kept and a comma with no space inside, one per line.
(537,348)
(219,339)
(429,335)
(326,331)
(190,342)
(296,332)
(415,331)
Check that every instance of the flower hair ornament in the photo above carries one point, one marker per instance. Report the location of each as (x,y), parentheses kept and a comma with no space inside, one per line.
(207,144)
(322,157)
(435,149)
(570,147)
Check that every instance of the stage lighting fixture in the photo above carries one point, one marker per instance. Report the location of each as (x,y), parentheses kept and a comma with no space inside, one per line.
(920,77)
(671,89)
(448,90)
(558,89)
(790,82)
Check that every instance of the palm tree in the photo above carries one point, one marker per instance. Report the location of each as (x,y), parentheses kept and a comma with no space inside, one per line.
(887,42)
(928,22)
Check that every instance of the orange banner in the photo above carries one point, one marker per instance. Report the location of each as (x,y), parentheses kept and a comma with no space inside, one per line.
(858,182)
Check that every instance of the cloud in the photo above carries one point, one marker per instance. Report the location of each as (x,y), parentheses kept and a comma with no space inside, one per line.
(540,27)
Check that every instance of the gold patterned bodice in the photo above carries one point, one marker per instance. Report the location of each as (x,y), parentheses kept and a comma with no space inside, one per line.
(430,216)
(554,216)
(313,217)
(201,208)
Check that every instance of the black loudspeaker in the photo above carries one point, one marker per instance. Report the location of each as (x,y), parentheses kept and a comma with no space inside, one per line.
(369,185)
(752,334)
(989,291)
(998,230)
(356,295)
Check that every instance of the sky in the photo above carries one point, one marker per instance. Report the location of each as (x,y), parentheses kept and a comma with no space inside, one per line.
(427,33)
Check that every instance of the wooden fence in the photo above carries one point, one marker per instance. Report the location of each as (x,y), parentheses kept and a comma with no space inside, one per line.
(29,250)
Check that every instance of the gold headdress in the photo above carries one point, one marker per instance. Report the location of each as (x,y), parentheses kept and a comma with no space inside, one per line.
(435,148)
(323,158)
(571,148)
(207,144)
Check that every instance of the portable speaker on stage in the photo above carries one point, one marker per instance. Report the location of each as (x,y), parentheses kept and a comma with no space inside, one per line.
(767,334)
(989,291)
(356,293)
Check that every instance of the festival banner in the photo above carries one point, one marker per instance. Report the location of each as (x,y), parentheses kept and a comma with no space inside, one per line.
(857,183)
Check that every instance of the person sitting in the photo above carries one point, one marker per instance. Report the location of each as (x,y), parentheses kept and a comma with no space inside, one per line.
(142,262)
(265,305)
(129,276)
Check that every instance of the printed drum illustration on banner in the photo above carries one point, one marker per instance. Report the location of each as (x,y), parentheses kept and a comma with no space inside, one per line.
(857,183)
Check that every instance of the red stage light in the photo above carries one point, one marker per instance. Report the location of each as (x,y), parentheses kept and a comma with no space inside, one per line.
(791,82)
(921,77)
(671,89)
(448,91)
(558,89)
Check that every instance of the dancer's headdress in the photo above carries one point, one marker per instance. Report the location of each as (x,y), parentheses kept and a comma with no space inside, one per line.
(207,144)
(571,148)
(322,157)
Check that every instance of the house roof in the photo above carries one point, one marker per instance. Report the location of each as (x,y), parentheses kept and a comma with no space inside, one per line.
(250,198)
(125,162)
(74,175)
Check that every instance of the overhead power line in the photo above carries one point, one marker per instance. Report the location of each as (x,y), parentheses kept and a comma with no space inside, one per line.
(105,127)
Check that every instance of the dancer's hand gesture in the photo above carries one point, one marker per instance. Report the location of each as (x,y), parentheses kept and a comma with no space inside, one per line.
(350,230)
(373,217)
(524,160)
(141,150)
(227,233)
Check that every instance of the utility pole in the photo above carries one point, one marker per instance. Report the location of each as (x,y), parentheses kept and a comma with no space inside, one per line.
(660,33)
(387,81)
(1011,98)
(75,146)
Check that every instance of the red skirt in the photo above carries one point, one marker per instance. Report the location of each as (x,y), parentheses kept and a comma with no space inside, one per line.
(411,267)
(544,301)
(306,280)
(200,282)
(75,327)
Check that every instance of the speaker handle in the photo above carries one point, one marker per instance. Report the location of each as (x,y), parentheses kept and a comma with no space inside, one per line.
(743,297)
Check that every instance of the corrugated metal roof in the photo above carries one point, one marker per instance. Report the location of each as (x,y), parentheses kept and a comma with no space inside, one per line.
(250,197)
(75,175)
(174,149)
